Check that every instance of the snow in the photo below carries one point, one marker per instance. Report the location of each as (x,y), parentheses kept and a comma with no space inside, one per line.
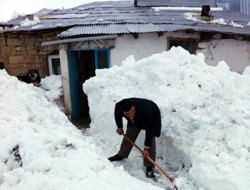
(53,86)
(205,134)
(234,24)
(67,16)
(53,153)
(191,16)
(220,21)
(28,22)
(185,8)
(205,115)
(246,71)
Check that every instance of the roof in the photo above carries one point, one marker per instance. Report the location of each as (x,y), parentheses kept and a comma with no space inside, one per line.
(114,17)
(181,3)
(144,28)
(4,24)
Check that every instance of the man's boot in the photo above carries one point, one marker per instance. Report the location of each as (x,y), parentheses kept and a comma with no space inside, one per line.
(150,172)
(116,157)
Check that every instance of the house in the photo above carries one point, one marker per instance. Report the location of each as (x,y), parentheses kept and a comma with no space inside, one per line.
(75,42)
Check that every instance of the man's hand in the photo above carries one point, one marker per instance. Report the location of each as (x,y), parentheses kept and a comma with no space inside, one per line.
(120,131)
(145,152)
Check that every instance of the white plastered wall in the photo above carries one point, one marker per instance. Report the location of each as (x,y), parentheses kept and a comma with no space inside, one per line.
(145,45)
(236,53)
(65,77)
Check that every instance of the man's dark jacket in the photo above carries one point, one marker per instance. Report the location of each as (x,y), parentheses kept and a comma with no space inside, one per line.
(147,117)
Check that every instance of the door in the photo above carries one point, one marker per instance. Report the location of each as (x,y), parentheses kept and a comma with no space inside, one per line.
(82,66)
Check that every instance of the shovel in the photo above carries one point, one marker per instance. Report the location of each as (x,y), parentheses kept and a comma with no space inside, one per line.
(157,166)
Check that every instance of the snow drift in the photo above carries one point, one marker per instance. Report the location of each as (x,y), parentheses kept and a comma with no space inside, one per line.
(41,149)
(205,114)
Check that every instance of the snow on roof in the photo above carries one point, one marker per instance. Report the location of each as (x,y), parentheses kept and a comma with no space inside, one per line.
(28,22)
(66,16)
(234,24)
(205,116)
(185,8)
(185,3)
(196,17)
(123,12)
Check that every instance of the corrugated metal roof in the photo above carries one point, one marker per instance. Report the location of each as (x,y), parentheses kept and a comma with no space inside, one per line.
(184,3)
(63,41)
(114,17)
(144,28)
(120,29)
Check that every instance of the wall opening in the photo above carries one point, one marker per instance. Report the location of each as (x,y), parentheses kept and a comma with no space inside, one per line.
(82,66)
(187,43)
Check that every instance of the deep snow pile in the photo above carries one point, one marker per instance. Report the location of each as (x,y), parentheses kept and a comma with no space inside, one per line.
(40,149)
(53,86)
(205,114)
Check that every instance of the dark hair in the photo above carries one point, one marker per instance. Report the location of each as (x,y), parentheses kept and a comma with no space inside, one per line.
(125,105)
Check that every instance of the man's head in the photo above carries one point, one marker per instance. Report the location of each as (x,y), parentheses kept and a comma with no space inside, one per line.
(128,109)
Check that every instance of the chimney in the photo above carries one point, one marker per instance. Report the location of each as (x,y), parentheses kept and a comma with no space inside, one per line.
(30,16)
(205,11)
(135,3)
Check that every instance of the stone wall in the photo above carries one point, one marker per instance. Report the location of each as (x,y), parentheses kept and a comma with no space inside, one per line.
(23,51)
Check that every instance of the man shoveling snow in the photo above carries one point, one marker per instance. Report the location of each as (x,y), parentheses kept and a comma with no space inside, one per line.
(141,114)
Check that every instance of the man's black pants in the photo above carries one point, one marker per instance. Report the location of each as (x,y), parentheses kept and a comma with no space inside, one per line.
(125,149)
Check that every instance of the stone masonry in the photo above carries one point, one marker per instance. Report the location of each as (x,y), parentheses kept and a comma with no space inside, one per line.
(22,51)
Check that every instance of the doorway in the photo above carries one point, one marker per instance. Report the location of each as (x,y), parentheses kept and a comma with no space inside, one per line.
(82,66)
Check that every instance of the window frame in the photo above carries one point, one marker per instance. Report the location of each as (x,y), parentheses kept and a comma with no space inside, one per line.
(50,57)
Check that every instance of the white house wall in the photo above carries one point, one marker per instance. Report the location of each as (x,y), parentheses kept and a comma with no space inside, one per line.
(236,53)
(144,46)
(65,77)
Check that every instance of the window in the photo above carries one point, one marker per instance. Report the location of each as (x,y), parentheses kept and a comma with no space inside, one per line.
(188,44)
(54,65)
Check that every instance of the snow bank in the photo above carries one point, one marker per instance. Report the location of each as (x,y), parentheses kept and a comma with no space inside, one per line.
(205,113)
(40,149)
(53,86)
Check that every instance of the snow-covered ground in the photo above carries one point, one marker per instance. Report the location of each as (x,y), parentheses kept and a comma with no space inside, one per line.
(41,149)
(205,136)
(205,115)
